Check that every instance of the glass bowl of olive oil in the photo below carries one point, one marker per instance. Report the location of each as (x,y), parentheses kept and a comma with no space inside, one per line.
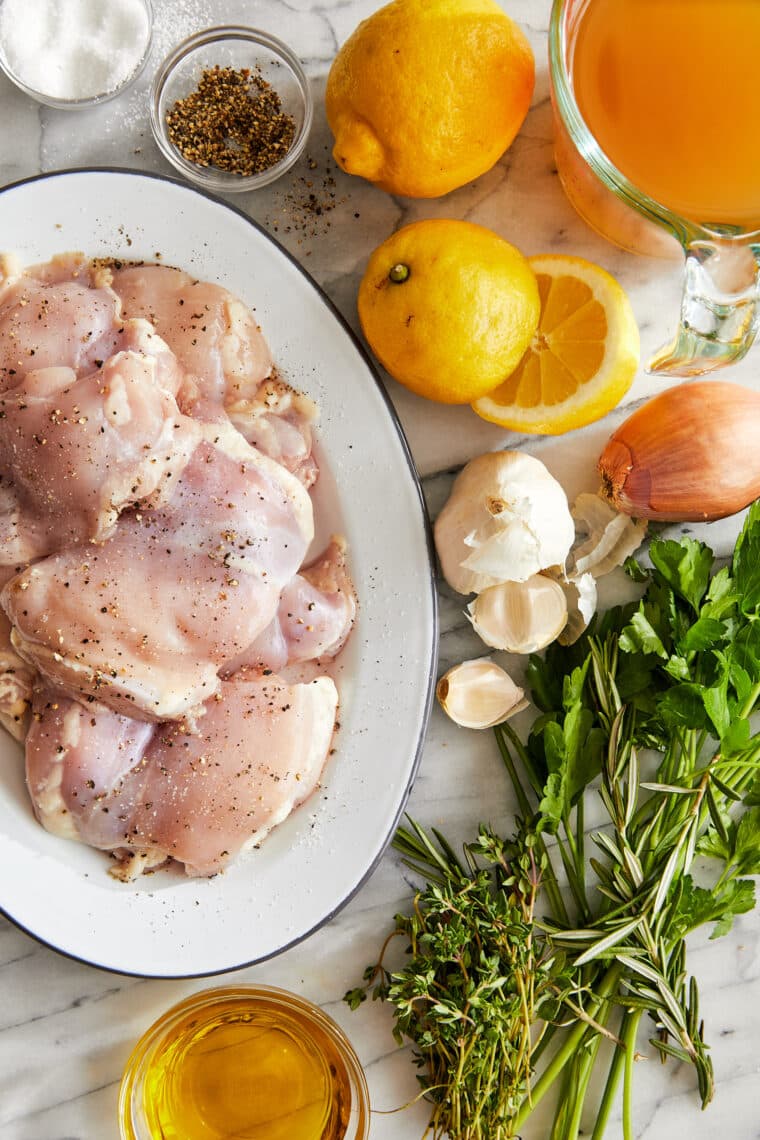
(244,1062)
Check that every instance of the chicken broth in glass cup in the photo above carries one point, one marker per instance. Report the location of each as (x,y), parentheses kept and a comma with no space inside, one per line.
(656,145)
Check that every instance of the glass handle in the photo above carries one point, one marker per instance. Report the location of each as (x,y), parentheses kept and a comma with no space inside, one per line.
(720,310)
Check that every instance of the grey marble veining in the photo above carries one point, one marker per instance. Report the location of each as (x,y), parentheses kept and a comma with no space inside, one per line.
(67,1029)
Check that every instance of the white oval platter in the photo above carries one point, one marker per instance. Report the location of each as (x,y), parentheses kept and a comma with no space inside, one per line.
(167,925)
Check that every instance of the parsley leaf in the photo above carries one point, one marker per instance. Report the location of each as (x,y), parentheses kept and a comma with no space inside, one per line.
(641,637)
(685,565)
(740,847)
(705,632)
(684,707)
(697,906)
(746,846)
(746,562)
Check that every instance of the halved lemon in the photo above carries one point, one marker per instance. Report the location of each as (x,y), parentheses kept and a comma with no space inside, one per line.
(581,361)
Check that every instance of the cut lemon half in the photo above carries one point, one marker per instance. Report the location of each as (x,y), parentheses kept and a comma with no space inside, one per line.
(581,361)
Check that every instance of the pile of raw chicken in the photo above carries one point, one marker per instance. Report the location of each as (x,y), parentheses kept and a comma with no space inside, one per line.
(154,518)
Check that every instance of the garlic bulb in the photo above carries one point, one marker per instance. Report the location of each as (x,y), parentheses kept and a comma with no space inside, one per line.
(610,537)
(479,694)
(580,596)
(521,617)
(506,519)
(690,454)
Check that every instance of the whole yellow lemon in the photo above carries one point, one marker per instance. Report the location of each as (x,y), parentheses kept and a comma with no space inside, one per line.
(448,308)
(427,94)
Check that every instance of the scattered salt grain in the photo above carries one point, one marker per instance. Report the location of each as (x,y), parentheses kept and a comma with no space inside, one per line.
(74,49)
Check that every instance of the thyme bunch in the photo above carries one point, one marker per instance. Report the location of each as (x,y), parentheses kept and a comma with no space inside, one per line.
(478,979)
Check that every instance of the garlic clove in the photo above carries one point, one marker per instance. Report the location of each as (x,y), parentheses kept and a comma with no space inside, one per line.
(506,519)
(581,598)
(520,617)
(610,537)
(688,455)
(479,694)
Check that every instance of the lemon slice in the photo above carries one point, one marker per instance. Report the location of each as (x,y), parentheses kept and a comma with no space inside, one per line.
(581,361)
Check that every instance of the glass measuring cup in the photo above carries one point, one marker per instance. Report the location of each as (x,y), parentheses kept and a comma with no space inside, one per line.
(720,309)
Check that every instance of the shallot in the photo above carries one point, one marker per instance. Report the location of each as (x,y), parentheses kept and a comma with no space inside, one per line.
(689,455)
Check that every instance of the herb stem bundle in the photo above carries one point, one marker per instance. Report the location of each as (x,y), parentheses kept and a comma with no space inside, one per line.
(513,981)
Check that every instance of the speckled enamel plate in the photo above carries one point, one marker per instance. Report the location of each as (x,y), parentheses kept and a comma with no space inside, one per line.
(167,925)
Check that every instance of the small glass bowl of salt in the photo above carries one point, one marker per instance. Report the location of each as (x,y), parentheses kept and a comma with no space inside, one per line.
(73,54)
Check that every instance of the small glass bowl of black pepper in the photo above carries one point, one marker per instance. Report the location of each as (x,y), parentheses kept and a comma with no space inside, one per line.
(231,108)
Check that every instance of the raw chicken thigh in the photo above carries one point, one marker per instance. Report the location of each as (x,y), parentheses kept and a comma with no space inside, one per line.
(80,451)
(314,618)
(146,619)
(16,680)
(155,792)
(154,520)
(226,360)
(24,534)
(278,421)
(63,325)
(211,332)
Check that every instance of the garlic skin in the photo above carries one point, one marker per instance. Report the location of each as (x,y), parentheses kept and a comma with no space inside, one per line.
(520,617)
(610,537)
(688,455)
(581,598)
(506,519)
(479,694)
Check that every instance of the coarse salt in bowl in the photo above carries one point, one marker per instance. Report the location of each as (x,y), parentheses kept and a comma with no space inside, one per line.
(238,48)
(73,54)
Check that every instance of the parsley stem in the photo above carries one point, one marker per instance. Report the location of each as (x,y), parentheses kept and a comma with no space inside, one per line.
(536,781)
(629,1041)
(750,702)
(610,1088)
(523,802)
(606,987)
(581,1078)
(545,1039)
(564,1101)
(569,861)
(580,847)
(557,903)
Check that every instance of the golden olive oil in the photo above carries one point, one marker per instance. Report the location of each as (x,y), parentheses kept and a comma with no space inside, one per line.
(244,1068)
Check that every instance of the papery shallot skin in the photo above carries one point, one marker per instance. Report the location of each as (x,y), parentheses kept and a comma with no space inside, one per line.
(159,792)
(689,455)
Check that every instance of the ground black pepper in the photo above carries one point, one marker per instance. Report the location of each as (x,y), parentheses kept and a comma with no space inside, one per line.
(233,120)
(304,208)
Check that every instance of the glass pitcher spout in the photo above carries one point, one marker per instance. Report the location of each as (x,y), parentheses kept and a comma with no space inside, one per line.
(720,310)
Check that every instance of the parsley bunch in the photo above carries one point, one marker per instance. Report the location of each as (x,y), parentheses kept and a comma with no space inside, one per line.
(650,712)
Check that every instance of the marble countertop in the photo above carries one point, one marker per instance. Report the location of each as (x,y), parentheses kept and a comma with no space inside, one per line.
(66,1029)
